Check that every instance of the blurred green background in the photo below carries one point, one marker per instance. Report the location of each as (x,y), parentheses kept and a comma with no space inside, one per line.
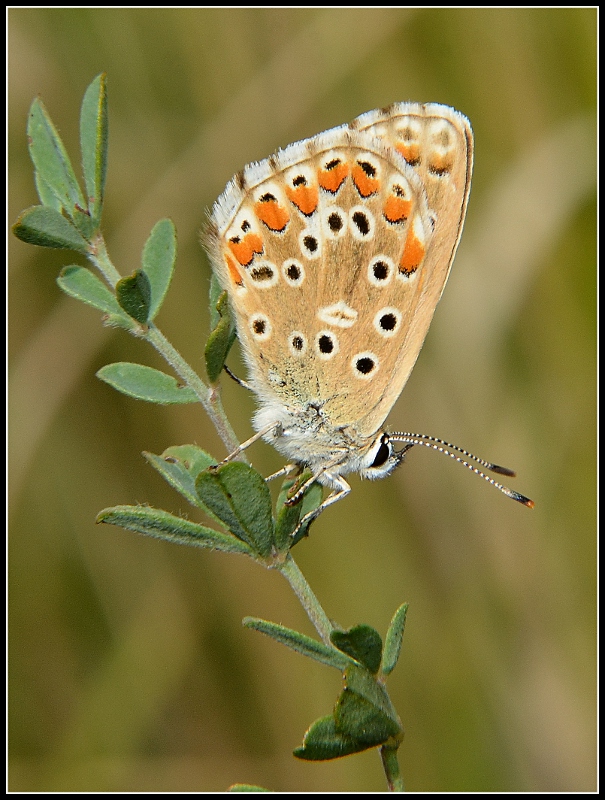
(129,668)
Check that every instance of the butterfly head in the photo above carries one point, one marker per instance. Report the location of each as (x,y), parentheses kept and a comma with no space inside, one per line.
(382,458)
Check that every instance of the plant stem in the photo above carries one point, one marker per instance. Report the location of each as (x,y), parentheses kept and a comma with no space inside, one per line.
(209,396)
(391,768)
(291,572)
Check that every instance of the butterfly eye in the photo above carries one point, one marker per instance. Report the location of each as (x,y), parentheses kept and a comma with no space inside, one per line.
(383,453)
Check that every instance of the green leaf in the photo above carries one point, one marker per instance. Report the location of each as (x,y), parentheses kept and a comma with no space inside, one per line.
(220,340)
(323,742)
(134,296)
(304,645)
(51,160)
(159,255)
(146,383)
(191,457)
(288,517)
(162,525)
(358,719)
(362,683)
(246,787)
(180,466)
(46,194)
(216,290)
(93,143)
(392,646)
(239,496)
(362,643)
(47,227)
(81,283)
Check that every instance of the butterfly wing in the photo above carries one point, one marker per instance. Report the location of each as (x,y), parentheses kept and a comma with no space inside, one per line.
(335,254)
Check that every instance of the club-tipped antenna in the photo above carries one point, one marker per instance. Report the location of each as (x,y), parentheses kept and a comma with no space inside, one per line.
(451,450)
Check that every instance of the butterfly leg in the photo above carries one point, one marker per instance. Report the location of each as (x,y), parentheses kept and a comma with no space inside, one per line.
(342,490)
(274,426)
(287,470)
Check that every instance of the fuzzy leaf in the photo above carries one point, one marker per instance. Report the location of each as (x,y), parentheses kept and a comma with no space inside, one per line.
(159,255)
(93,143)
(288,517)
(360,720)
(220,340)
(51,160)
(134,296)
(81,283)
(304,645)
(246,787)
(362,683)
(362,643)
(180,466)
(146,383)
(392,646)
(47,227)
(240,498)
(323,742)
(162,525)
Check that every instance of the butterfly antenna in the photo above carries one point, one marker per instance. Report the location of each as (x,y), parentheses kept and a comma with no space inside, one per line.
(446,448)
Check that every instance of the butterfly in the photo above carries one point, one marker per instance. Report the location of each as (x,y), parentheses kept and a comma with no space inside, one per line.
(334,253)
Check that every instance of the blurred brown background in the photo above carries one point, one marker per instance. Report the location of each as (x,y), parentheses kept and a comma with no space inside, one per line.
(129,668)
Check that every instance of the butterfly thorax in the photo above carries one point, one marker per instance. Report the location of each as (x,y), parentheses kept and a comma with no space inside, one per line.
(306,436)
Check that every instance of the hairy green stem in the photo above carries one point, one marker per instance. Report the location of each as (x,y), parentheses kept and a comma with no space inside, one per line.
(391,768)
(291,572)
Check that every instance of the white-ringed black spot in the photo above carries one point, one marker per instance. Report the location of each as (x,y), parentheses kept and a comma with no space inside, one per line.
(335,221)
(293,272)
(260,326)
(262,273)
(361,223)
(369,169)
(309,244)
(360,220)
(387,321)
(365,365)
(326,345)
(380,270)
(297,344)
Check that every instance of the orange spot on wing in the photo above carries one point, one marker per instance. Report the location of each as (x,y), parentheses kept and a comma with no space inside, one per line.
(272,214)
(413,253)
(332,179)
(440,164)
(245,249)
(364,183)
(234,272)
(397,209)
(305,198)
(409,150)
